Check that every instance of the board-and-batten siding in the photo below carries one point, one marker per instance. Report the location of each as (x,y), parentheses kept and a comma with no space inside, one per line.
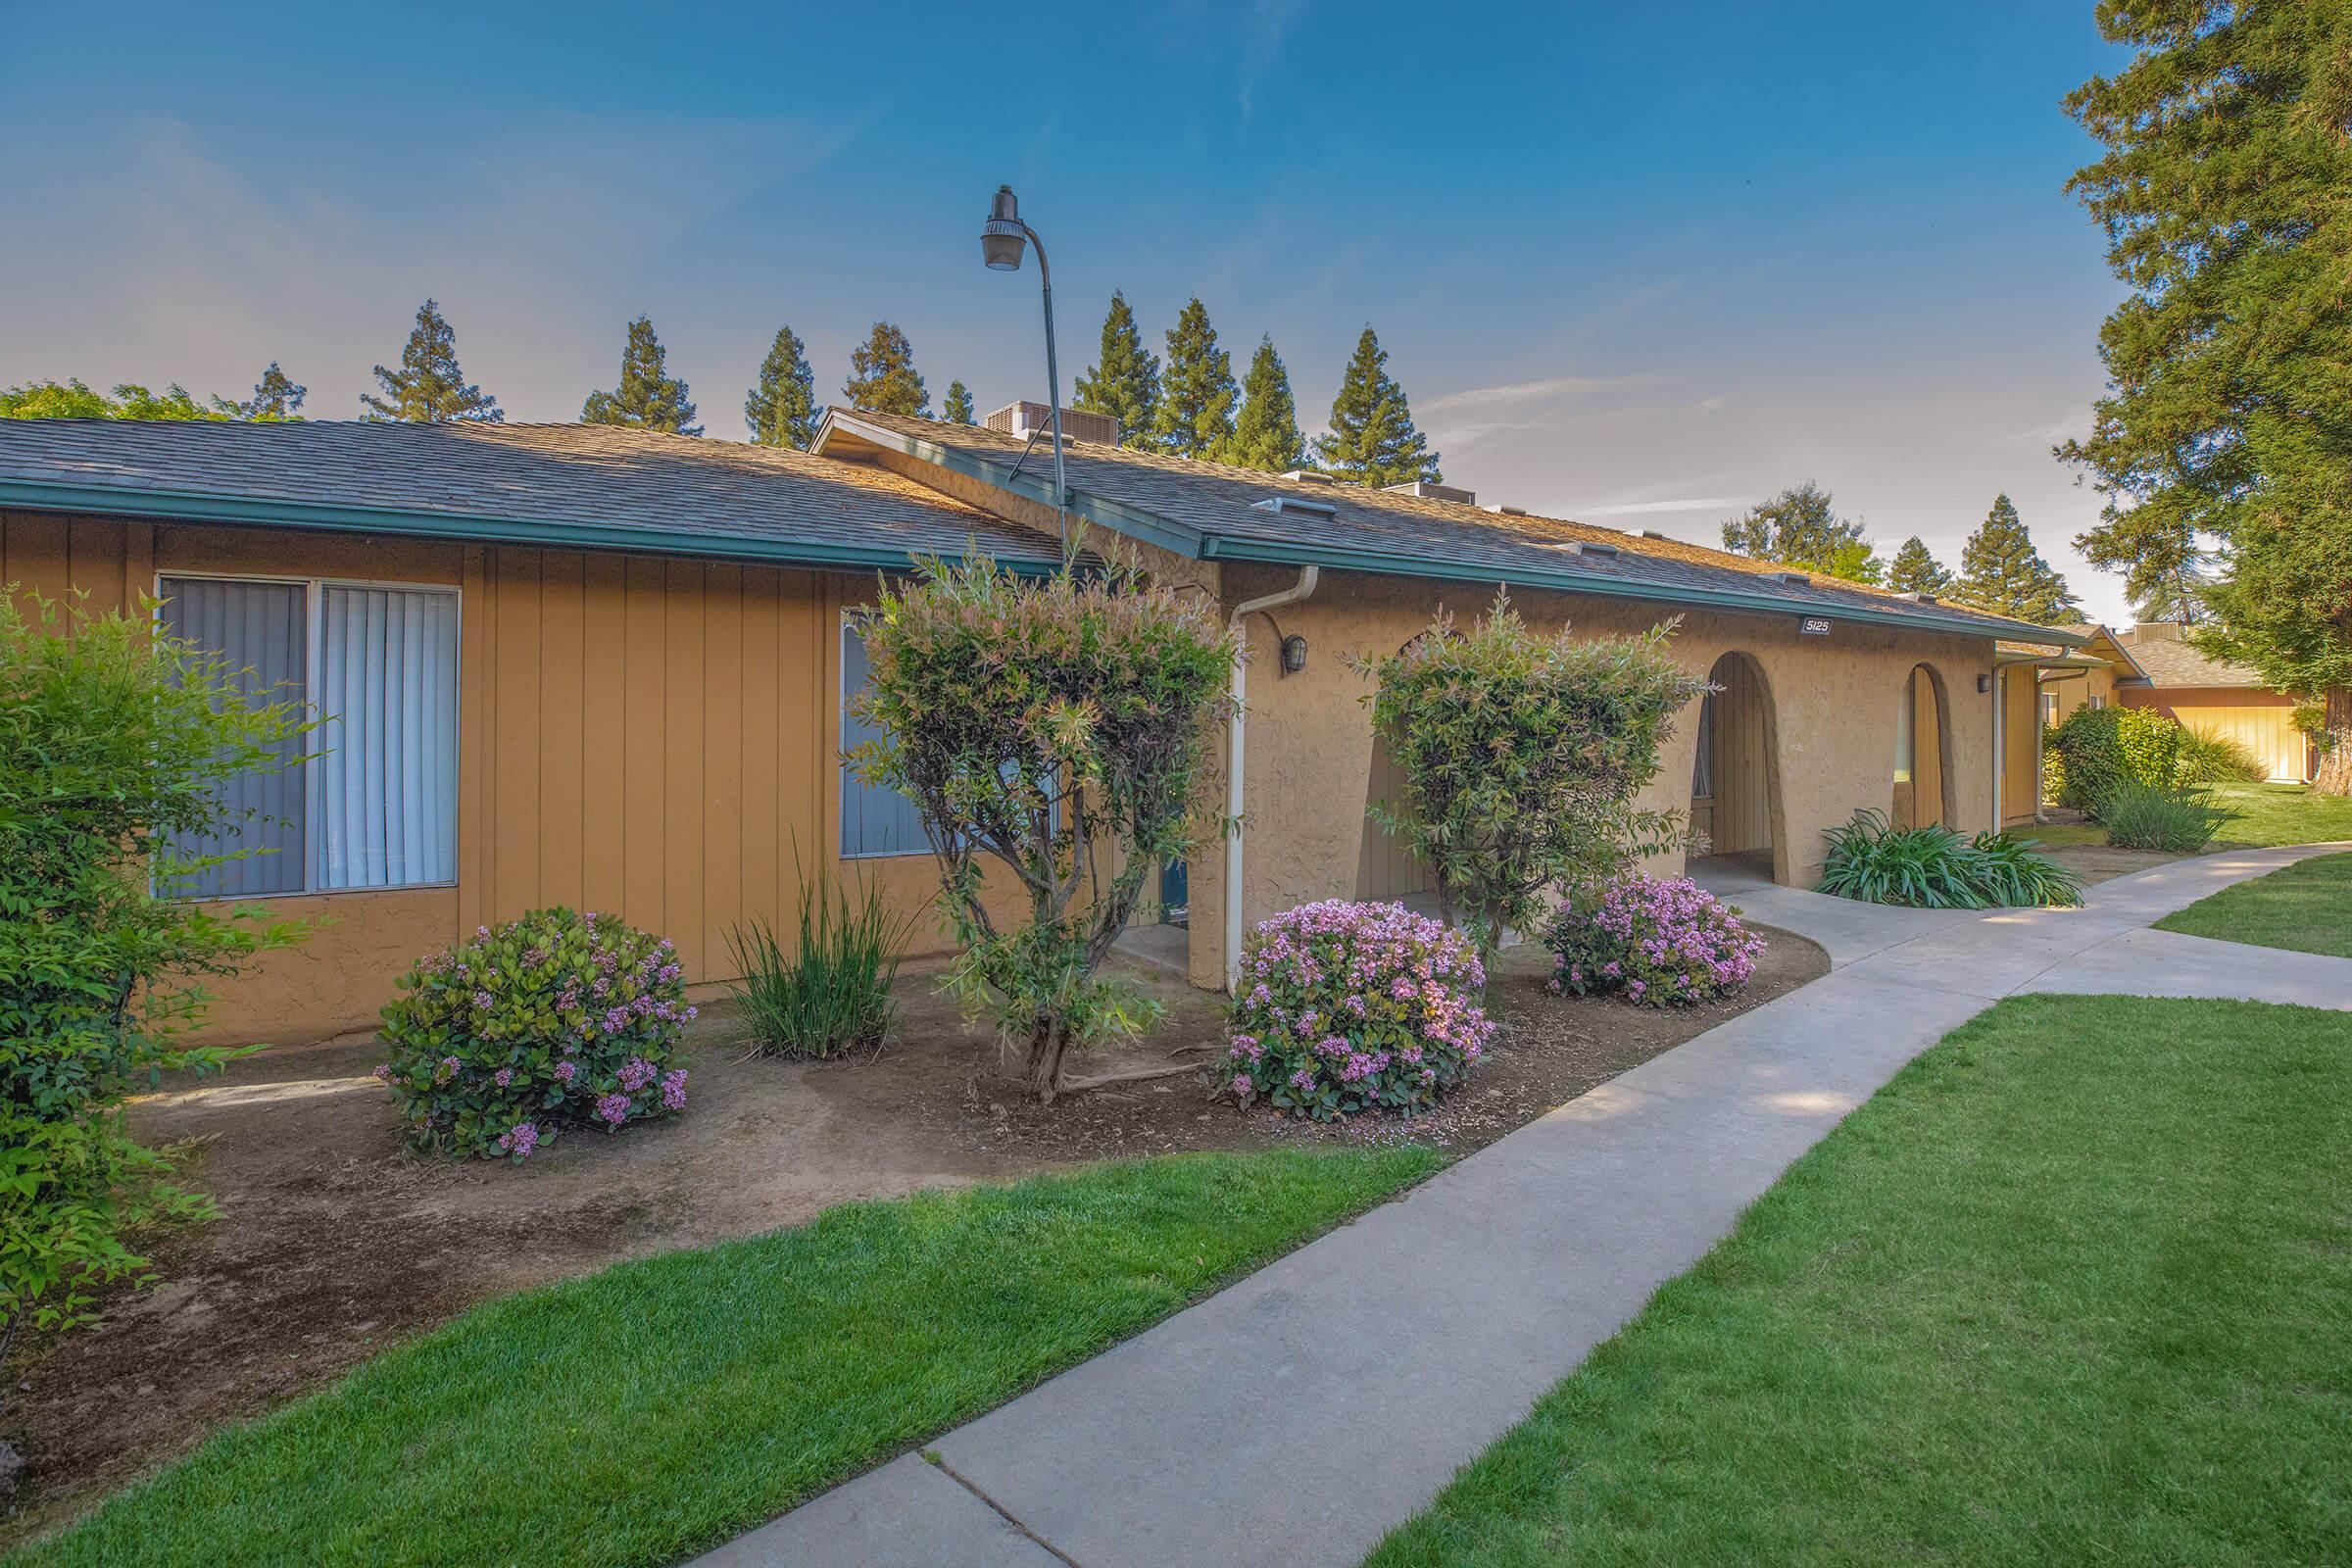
(659,738)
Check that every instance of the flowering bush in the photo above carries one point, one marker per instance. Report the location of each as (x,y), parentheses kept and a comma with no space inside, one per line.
(1343,1008)
(552,1020)
(1664,944)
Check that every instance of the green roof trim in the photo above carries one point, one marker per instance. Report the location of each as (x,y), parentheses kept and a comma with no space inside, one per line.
(115,501)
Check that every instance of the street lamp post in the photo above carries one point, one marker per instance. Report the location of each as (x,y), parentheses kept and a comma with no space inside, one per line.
(1000,240)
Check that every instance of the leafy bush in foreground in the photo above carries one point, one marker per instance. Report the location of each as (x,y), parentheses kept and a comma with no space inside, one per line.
(1934,867)
(2181,820)
(556,1020)
(114,738)
(2099,747)
(1343,1008)
(1663,944)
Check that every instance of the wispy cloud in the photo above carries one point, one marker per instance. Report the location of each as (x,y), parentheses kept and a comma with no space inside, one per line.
(1513,393)
(1630,508)
(1269,23)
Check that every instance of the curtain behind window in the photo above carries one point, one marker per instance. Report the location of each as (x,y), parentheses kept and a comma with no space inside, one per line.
(387,797)
(874,820)
(260,629)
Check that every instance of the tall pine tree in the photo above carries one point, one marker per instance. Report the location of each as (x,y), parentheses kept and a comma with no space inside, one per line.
(1124,381)
(1800,527)
(2000,571)
(957,407)
(882,375)
(428,388)
(276,396)
(2222,194)
(1372,440)
(648,397)
(1265,434)
(781,410)
(1916,571)
(1198,394)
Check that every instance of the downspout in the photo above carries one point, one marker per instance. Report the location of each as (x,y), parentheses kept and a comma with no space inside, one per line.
(1303,588)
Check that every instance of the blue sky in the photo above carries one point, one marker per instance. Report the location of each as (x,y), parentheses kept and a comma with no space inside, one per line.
(1642,265)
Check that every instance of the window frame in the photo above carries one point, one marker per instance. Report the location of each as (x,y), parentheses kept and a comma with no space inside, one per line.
(314,615)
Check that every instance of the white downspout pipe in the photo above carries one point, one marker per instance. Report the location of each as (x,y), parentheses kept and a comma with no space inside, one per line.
(1234,754)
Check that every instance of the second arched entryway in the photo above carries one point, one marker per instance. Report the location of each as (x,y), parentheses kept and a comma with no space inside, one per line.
(1923,764)
(1734,772)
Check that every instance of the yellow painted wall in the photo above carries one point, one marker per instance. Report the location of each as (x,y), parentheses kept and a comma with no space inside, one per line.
(640,735)
(2259,720)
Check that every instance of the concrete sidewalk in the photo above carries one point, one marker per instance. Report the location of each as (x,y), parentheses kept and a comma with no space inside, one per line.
(1299,1415)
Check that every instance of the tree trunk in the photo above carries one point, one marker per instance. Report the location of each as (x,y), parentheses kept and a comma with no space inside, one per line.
(2335,762)
(1048,1043)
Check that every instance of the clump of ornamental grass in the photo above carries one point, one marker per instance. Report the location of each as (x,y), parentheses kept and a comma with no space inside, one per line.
(1932,867)
(1664,944)
(2178,821)
(830,991)
(555,1020)
(1345,1007)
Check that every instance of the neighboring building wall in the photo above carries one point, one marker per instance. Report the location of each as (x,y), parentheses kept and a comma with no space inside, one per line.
(652,737)
(1833,702)
(2260,720)
(2089,686)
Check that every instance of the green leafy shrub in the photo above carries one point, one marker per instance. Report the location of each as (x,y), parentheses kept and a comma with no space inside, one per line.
(1664,944)
(2215,760)
(1060,731)
(2179,819)
(832,993)
(1521,754)
(114,738)
(1345,1007)
(2099,747)
(554,1020)
(1934,867)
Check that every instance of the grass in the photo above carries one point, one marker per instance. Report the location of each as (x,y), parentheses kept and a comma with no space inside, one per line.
(2305,906)
(2075,1288)
(2268,814)
(653,1409)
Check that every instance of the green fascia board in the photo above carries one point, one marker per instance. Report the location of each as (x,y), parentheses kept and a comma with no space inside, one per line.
(1149,526)
(193,507)
(1228,549)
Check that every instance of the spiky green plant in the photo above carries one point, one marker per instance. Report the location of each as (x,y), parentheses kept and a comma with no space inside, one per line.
(831,991)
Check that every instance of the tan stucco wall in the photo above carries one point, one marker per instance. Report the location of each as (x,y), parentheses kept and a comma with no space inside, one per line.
(1834,703)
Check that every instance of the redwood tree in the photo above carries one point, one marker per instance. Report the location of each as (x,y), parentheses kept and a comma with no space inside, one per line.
(2228,413)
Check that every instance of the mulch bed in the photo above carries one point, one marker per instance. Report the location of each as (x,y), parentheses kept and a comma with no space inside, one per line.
(334,1242)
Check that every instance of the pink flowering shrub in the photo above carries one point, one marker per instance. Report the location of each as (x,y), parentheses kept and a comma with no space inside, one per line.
(1663,944)
(556,1020)
(1343,1008)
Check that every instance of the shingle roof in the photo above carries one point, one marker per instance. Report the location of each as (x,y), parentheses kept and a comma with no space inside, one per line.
(597,485)
(2169,662)
(1215,509)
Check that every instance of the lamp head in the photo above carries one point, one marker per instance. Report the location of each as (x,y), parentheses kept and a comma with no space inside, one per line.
(1002,237)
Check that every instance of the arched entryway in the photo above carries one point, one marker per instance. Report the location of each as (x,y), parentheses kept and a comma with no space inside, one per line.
(1922,763)
(1735,770)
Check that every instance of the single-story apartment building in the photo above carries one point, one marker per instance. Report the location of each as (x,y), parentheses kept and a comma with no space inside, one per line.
(2153,665)
(606,667)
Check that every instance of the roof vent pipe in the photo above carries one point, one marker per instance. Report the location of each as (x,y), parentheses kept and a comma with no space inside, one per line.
(1235,752)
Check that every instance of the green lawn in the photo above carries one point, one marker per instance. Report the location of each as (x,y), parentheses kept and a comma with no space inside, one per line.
(2284,814)
(656,1408)
(2075,1288)
(2305,906)
(2268,813)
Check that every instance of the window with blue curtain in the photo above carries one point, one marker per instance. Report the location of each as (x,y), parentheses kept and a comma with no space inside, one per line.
(377,805)
(874,820)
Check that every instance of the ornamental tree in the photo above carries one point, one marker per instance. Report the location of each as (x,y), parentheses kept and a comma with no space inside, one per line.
(115,738)
(1521,754)
(2227,151)
(1057,733)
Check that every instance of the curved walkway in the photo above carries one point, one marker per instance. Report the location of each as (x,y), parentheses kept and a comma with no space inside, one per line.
(1299,1415)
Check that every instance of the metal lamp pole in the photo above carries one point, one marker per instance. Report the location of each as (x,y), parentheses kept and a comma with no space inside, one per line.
(1000,240)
